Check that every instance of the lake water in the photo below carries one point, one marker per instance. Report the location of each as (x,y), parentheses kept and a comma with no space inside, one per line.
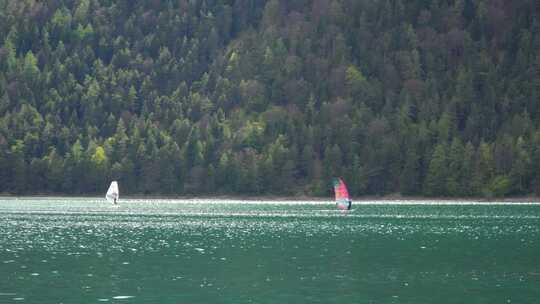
(83,250)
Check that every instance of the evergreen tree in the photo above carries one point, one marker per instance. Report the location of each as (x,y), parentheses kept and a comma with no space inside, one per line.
(435,184)
(467,171)
(455,169)
(410,175)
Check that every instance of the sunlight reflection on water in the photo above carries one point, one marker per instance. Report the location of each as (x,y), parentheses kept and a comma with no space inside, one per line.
(168,251)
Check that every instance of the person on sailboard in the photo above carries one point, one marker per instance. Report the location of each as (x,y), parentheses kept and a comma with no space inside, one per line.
(343,201)
(112,193)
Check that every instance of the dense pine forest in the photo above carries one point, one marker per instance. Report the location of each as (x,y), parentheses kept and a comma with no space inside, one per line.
(254,97)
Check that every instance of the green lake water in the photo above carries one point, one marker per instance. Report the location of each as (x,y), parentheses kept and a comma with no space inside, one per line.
(83,250)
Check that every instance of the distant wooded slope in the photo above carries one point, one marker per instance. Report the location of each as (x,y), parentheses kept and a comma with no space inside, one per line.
(435,98)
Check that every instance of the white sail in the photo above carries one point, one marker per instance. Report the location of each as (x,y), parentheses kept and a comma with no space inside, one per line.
(113,193)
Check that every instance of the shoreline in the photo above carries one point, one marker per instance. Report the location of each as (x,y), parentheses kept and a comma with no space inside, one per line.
(385,198)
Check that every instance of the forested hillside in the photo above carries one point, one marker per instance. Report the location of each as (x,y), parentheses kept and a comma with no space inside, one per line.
(435,98)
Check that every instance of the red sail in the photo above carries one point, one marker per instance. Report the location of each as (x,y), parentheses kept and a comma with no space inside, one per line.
(342,194)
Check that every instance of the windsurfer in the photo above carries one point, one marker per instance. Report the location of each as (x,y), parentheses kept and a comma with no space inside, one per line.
(112,193)
(343,201)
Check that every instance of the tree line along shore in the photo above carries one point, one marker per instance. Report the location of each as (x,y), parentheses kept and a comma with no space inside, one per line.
(258,98)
